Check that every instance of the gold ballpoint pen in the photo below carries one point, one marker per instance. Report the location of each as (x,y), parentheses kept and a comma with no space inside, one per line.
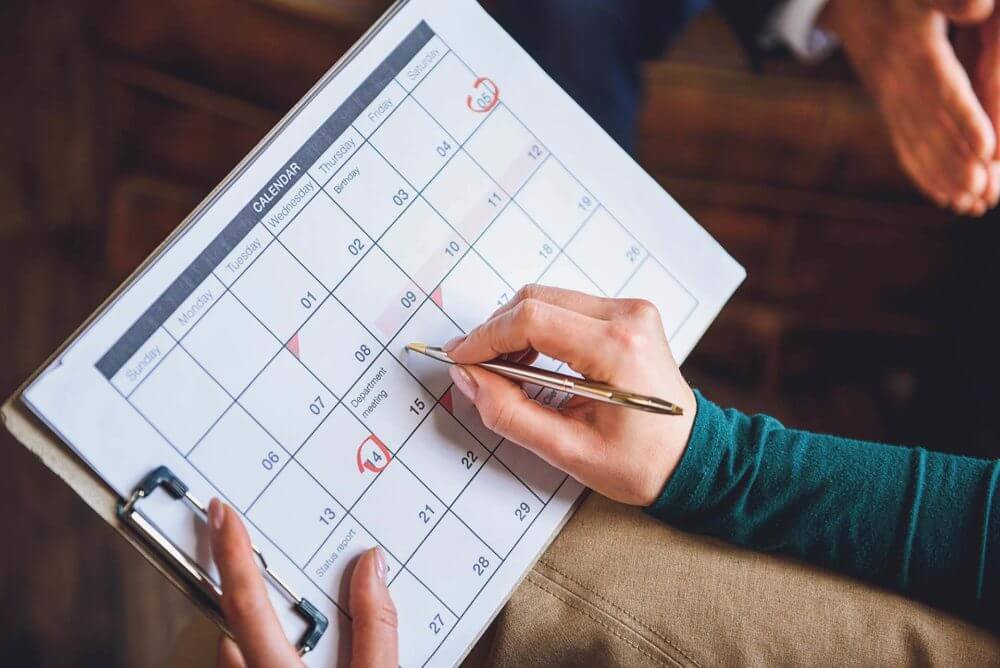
(558,381)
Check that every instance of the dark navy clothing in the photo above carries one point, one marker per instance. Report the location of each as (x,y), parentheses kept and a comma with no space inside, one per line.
(595,49)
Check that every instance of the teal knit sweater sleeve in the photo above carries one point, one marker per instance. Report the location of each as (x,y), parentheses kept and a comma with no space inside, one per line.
(923,523)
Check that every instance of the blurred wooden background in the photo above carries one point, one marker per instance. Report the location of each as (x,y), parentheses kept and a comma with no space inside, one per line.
(119,116)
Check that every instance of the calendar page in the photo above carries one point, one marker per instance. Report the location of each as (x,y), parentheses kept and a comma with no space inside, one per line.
(260,355)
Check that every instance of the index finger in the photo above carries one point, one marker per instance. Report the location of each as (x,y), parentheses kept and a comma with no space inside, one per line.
(578,340)
(602,308)
(245,603)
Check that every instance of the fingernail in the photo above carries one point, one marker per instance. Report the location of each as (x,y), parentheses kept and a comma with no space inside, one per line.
(464,381)
(380,567)
(453,343)
(216,514)
(963,202)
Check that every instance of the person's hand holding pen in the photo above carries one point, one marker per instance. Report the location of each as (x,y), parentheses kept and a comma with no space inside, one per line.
(626,455)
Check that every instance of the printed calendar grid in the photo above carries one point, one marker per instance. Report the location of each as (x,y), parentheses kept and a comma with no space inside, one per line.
(289,451)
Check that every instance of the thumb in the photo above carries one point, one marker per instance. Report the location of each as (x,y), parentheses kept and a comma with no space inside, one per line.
(962,11)
(987,70)
(966,119)
(374,625)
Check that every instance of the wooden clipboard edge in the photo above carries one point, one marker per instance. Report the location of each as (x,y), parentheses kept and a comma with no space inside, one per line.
(58,458)
(50,449)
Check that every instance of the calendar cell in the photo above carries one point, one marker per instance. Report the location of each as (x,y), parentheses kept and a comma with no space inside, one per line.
(180,400)
(465,412)
(506,150)
(388,401)
(430,325)
(472,291)
(244,254)
(423,620)
(331,568)
(194,307)
(371,192)
(380,295)
(608,251)
(451,94)
(231,344)
(239,457)
(497,506)
(334,346)
(562,273)
(469,566)
(542,478)
(466,197)
(326,241)
(334,157)
(414,510)
(443,454)
(287,400)
(652,281)
(279,292)
(414,144)
(556,201)
(517,248)
(424,245)
(331,454)
(299,533)
(380,109)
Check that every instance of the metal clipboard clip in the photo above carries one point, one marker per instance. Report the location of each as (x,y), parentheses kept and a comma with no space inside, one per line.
(191,570)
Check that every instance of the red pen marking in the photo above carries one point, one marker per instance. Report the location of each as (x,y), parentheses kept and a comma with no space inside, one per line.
(437,298)
(366,464)
(293,346)
(487,99)
(447,402)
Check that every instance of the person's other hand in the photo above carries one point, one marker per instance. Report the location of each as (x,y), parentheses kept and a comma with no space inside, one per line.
(944,138)
(978,47)
(627,455)
(258,638)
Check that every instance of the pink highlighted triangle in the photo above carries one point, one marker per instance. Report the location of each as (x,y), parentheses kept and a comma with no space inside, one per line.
(447,402)
(293,346)
(437,298)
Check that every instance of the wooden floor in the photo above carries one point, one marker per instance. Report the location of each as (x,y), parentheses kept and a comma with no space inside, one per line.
(118,116)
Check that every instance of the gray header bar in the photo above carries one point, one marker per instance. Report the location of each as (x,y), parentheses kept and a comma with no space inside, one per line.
(232,234)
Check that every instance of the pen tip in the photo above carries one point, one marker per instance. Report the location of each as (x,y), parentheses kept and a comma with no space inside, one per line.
(417,347)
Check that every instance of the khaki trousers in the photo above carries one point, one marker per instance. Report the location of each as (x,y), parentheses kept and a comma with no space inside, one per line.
(618,588)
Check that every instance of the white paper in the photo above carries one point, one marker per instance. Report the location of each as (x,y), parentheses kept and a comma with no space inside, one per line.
(261,358)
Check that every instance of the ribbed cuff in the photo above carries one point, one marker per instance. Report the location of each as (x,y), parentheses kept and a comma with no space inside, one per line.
(795,24)
(685,489)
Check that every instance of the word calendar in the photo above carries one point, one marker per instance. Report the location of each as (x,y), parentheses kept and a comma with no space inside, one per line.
(260,354)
